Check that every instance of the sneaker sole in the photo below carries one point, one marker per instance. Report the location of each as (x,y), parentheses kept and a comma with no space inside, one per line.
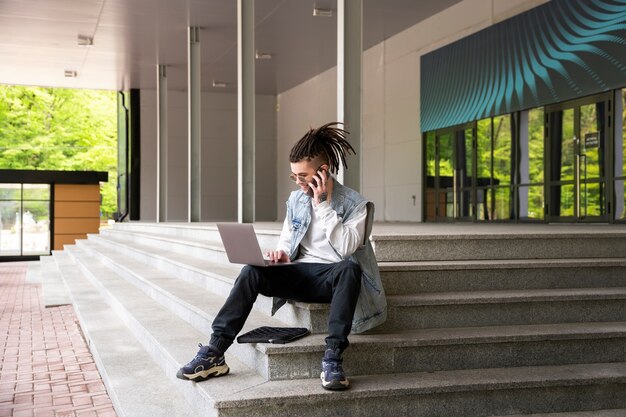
(334,385)
(209,373)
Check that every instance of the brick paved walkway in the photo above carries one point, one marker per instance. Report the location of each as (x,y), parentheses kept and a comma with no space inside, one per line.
(46,369)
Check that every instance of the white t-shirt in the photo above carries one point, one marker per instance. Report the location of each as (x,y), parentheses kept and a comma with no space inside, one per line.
(327,239)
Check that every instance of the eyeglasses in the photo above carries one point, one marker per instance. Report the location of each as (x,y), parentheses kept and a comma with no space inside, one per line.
(303,178)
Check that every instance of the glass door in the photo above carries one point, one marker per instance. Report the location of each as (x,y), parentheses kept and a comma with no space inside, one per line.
(576,160)
(450,172)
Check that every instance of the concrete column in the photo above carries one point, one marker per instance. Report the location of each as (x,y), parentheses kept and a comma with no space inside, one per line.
(350,82)
(245,111)
(193,111)
(161,203)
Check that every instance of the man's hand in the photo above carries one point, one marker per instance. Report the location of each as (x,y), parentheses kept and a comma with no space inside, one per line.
(277,257)
(322,187)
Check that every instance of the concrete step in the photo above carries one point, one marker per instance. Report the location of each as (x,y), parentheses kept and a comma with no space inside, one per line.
(424,350)
(196,306)
(199,231)
(400,278)
(509,307)
(208,250)
(518,244)
(493,391)
(54,292)
(120,358)
(203,241)
(216,277)
(454,309)
(405,277)
(591,413)
(450,393)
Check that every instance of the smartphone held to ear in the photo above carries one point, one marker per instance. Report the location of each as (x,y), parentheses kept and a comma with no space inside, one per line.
(309,190)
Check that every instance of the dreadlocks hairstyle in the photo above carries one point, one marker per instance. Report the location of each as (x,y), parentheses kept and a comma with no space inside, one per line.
(327,142)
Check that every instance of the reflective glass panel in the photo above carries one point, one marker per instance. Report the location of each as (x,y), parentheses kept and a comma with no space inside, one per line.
(620,200)
(36,228)
(469,167)
(567,146)
(592,199)
(430,154)
(502,143)
(446,153)
(482,211)
(10,234)
(535,145)
(567,199)
(10,192)
(430,204)
(449,203)
(531,202)
(490,207)
(623,132)
(591,146)
(39,192)
(464,200)
(503,204)
(483,152)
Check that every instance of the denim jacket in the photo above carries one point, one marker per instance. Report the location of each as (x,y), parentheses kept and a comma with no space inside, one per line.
(371,308)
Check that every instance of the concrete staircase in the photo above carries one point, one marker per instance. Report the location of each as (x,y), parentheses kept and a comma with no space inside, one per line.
(483,321)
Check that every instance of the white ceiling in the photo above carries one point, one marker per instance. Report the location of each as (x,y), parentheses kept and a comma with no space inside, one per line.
(38,40)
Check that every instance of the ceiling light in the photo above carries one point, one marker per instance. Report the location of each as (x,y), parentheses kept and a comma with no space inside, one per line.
(263,55)
(319,12)
(219,84)
(71,74)
(85,41)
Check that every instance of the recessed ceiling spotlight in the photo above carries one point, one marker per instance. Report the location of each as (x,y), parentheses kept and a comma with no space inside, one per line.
(263,55)
(85,41)
(320,12)
(219,84)
(71,74)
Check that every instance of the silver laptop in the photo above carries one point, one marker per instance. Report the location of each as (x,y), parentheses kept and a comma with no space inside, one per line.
(241,244)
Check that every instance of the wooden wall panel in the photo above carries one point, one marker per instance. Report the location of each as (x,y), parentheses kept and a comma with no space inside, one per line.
(76,225)
(76,212)
(60,240)
(77,192)
(71,209)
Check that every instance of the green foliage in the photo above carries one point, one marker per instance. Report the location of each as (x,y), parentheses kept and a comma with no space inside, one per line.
(60,129)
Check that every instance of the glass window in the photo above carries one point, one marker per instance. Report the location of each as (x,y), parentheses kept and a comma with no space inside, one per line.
(10,192)
(592,199)
(567,146)
(10,235)
(531,202)
(468,148)
(39,192)
(24,219)
(623,132)
(36,228)
(483,152)
(535,145)
(482,208)
(566,194)
(503,204)
(620,200)
(430,154)
(446,154)
(502,146)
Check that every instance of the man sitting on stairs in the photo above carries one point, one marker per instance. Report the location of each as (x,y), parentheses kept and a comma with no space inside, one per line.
(325,255)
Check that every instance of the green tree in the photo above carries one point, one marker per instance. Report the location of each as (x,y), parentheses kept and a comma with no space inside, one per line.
(60,129)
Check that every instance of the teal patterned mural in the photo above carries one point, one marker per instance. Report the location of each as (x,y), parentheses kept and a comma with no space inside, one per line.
(561,50)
